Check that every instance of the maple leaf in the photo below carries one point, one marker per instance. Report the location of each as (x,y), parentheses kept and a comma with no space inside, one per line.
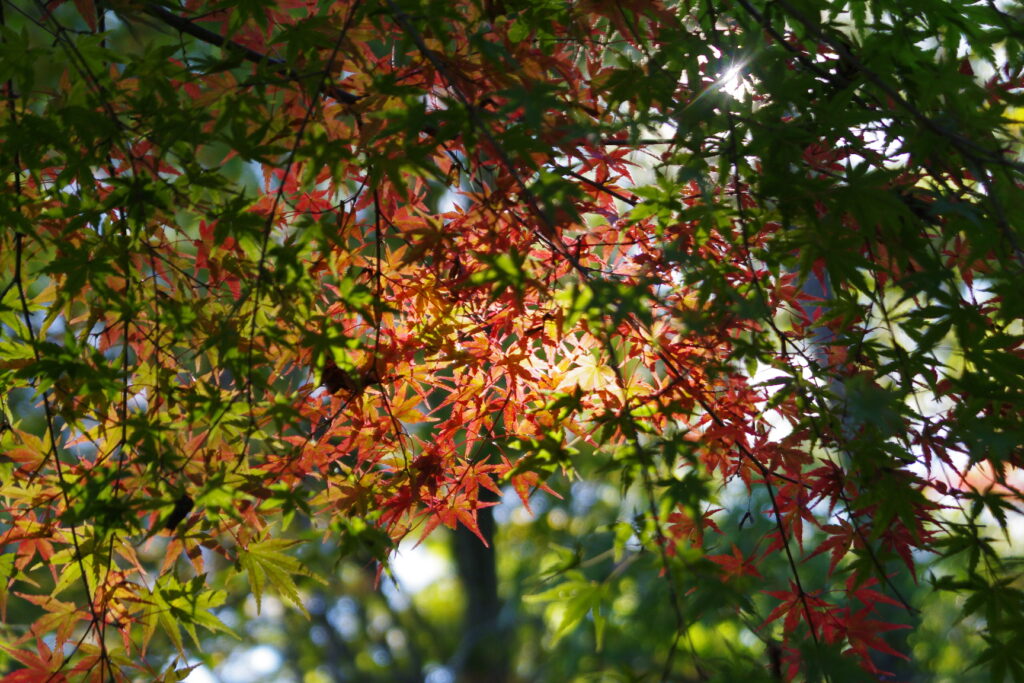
(681,526)
(41,665)
(864,633)
(61,617)
(792,607)
(327,340)
(525,483)
(863,591)
(173,605)
(265,562)
(569,603)
(736,565)
(840,537)
(589,375)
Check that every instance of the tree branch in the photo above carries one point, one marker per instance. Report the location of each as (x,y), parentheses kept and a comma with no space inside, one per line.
(207,36)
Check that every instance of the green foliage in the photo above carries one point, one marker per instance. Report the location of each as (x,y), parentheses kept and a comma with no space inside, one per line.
(712,306)
(265,562)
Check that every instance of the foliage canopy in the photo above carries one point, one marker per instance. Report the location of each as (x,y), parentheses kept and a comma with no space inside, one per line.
(345,271)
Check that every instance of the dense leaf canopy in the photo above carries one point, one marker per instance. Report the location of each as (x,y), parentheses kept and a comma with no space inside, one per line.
(291,274)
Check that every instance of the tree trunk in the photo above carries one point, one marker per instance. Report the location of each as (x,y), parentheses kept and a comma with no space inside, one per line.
(483,655)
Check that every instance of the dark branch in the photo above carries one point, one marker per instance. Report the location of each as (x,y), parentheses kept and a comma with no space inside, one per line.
(207,36)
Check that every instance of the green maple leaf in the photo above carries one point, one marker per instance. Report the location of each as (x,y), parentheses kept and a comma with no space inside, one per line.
(173,605)
(266,562)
